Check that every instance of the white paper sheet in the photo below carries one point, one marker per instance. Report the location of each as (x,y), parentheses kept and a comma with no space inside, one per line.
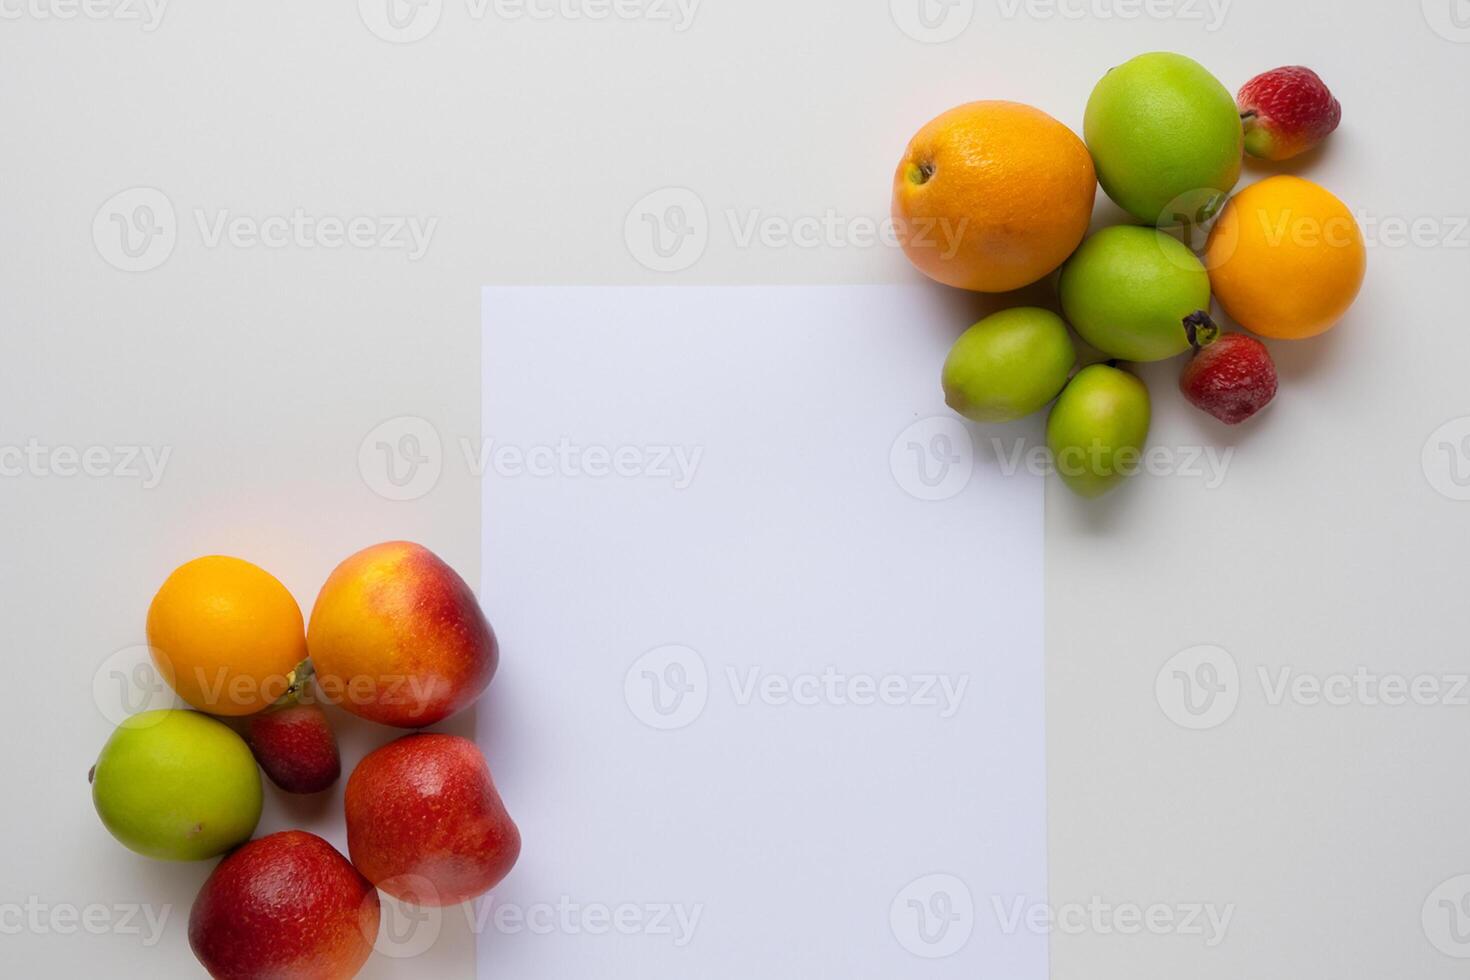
(770,699)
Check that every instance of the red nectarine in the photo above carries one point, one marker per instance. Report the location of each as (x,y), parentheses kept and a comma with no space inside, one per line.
(424,821)
(397,637)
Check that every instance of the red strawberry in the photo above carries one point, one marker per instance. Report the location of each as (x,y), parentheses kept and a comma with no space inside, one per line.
(295,746)
(1286,111)
(1232,379)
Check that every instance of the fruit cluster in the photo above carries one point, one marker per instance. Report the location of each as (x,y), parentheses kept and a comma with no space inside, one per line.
(1012,191)
(395,637)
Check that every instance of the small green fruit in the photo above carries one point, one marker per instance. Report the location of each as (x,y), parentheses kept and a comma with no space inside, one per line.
(1008,365)
(1097,429)
(1165,137)
(1129,291)
(177,785)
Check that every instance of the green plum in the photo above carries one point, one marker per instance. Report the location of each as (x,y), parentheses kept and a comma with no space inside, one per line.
(1136,293)
(177,785)
(1097,429)
(1166,139)
(1008,365)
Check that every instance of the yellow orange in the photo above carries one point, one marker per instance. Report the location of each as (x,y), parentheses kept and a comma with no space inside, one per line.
(992,196)
(1286,258)
(226,635)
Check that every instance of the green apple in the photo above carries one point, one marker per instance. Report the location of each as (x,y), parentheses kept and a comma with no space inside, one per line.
(1166,139)
(1008,365)
(1097,429)
(1133,293)
(177,785)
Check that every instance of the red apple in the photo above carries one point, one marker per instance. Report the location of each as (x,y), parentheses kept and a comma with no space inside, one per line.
(1286,111)
(397,637)
(286,907)
(425,824)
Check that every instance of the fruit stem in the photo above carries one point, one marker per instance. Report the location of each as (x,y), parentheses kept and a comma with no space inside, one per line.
(1200,329)
(1247,115)
(297,681)
(919,173)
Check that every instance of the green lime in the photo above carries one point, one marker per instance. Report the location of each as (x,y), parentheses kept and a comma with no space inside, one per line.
(1008,365)
(1165,137)
(177,785)
(1129,292)
(1097,429)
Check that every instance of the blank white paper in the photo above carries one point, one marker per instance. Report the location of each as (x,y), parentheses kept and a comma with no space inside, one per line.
(770,699)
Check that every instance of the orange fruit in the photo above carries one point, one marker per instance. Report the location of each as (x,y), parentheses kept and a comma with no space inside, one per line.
(992,196)
(225,634)
(1286,258)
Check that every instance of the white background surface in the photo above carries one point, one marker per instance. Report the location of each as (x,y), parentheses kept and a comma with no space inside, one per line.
(1327,548)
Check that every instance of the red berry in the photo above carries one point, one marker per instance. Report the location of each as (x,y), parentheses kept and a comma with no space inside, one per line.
(1232,379)
(1286,111)
(295,746)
